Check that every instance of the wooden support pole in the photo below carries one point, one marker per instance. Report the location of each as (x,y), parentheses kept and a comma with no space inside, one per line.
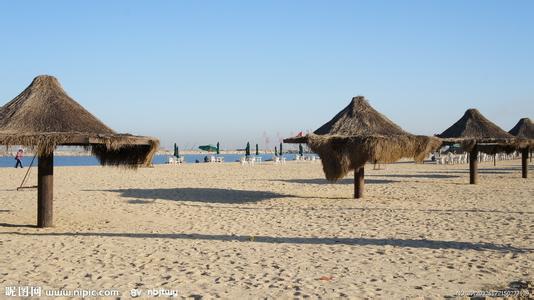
(358,183)
(524,162)
(473,165)
(45,191)
(494,159)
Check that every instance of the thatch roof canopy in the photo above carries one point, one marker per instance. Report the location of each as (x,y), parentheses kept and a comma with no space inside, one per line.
(523,129)
(475,129)
(360,134)
(43,116)
(474,126)
(359,118)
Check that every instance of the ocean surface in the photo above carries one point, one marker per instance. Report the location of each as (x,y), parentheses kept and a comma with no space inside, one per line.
(9,161)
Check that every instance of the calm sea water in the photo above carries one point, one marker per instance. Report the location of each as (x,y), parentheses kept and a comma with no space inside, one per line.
(9,161)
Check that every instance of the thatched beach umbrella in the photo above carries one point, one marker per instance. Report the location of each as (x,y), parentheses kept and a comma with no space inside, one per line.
(43,117)
(524,129)
(359,134)
(476,134)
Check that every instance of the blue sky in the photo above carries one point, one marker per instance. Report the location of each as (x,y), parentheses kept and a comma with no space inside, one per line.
(198,72)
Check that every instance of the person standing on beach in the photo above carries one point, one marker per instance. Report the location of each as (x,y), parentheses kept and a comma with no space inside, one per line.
(18,158)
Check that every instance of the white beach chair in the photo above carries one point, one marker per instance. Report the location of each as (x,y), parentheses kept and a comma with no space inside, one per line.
(450,159)
(438,160)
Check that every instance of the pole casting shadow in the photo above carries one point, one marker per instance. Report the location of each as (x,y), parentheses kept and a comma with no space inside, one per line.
(429,176)
(202,195)
(341,181)
(403,243)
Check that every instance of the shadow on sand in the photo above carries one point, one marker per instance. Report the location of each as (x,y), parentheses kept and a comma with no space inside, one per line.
(17,225)
(341,181)
(404,243)
(429,176)
(203,195)
(363,209)
(504,170)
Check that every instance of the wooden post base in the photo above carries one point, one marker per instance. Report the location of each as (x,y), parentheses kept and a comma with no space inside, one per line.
(524,162)
(45,191)
(359,183)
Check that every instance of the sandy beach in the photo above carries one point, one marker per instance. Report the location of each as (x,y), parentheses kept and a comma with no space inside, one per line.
(276,231)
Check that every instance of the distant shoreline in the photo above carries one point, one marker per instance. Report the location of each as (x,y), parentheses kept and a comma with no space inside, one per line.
(159,152)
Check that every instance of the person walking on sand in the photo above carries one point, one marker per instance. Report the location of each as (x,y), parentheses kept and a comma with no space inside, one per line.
(18,158)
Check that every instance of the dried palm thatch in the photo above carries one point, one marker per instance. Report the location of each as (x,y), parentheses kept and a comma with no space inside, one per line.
(359,118)
(473,129)
(524,129)
(129,153)
(341,154)
(43,117)
(360,134)
(473,125)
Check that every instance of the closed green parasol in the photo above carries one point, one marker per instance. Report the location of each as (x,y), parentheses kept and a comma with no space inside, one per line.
(247,149)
